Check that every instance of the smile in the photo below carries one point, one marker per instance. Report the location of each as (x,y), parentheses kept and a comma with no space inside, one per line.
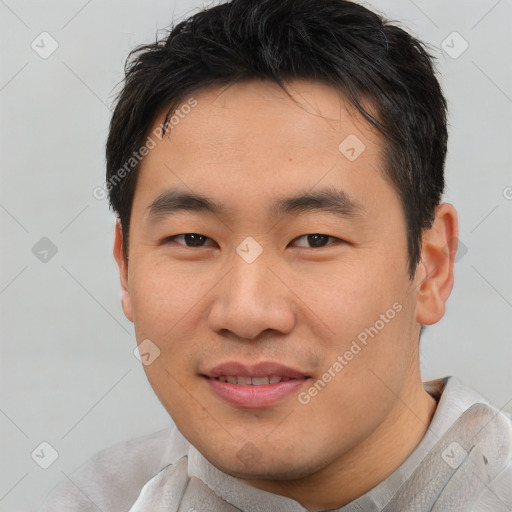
(254,386)
(251,381)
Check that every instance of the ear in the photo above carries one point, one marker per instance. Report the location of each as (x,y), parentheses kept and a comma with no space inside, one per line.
(122,263)
(434,275)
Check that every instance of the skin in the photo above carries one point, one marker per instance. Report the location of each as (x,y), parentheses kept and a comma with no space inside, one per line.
(246,146)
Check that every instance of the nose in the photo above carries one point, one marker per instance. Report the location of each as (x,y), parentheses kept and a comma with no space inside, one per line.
(250,300)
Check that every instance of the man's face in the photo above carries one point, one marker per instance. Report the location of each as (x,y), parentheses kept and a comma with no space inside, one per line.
(251,299)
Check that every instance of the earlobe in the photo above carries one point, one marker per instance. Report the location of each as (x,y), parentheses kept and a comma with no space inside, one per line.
(434,277)
(123,271)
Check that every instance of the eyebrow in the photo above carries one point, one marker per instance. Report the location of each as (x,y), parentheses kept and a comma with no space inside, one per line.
(330,200)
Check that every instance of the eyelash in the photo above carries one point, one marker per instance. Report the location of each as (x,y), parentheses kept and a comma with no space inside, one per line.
(332,238)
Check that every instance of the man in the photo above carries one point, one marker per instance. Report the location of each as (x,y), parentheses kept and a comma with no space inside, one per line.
(277,171)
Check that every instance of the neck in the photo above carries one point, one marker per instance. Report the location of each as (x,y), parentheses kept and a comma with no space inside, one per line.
(367,464)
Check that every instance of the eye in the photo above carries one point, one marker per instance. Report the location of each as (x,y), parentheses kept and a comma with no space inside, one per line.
(314,240)
(190,240)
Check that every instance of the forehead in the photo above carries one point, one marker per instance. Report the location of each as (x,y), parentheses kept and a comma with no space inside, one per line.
(252,141)
(262,112)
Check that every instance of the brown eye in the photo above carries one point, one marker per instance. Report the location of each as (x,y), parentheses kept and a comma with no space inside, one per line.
(190,240)
(314,240)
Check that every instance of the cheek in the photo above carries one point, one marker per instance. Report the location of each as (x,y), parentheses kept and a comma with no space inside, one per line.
(346,299)
(167,304)
(369,315)
(163,296)
(363,372)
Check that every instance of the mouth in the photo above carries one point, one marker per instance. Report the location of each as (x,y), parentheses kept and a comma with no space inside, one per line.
(240,380)
(254,386)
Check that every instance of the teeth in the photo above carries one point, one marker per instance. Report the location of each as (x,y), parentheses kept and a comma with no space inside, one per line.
(260,381)
(254,381)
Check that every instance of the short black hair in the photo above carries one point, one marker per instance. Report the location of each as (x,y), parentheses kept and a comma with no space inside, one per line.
(338,42)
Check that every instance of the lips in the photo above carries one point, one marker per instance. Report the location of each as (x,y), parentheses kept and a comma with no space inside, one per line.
(264,369)
(254,386)
(251,381)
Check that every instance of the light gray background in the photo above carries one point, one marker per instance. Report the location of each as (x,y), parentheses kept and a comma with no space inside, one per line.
(68,373)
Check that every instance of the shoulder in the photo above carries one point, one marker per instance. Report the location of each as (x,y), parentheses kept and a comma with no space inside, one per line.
(480,441)
(496,437)
(112,479)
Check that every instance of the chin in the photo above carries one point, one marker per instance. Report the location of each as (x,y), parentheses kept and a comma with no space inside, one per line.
(267,468)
